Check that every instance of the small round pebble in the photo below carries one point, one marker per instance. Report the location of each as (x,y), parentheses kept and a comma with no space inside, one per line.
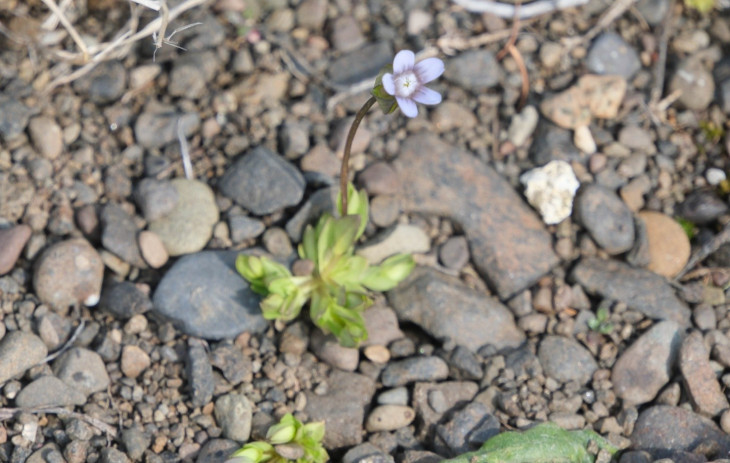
(725,421)
(715,176)
(134,361)
(152,249)
(389,418)
(69,272)
(277,242)
(377,354)
(454,253)
(395,396)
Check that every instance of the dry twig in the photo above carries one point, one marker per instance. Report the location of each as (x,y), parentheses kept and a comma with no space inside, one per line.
(510,48)
(612,13)
(69,27)
(8,413)
(505,10)
(68,344)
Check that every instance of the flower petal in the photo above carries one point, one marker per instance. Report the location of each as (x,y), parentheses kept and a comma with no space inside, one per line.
(426,96)
(408,106)
(389,83)
(428,69)
(403,61)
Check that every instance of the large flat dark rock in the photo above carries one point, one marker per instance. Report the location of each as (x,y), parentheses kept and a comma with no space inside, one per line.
(509,243)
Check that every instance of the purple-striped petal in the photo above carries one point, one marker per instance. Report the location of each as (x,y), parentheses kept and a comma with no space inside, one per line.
(408,106)
(389,83)
(428,69)
(403,61)
(427,96)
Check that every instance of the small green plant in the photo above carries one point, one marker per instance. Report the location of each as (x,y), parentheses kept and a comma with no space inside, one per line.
(690,229)
(703,6)
(337,286)
(287,441)
(600,324)
(545,443)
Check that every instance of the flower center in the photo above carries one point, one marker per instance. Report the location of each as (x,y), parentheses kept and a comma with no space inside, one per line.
(406,84)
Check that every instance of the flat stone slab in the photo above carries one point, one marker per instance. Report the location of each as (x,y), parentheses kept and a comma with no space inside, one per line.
(509,243)
(639,289)
(204,296)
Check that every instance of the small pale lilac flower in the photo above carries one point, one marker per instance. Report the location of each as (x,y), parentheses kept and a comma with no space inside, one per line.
(408,81)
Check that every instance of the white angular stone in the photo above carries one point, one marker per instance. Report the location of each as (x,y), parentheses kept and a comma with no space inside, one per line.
(550,189)
(402,239)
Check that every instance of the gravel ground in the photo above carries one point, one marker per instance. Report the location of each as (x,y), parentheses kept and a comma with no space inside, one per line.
(566,204)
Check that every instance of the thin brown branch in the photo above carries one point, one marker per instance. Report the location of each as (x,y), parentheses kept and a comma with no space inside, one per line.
(8,413)
(525,90)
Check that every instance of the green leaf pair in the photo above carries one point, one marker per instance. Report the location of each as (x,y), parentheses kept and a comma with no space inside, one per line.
(337,288)
(287,441)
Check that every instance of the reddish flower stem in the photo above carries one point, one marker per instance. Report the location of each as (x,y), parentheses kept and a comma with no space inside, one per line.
(348,147)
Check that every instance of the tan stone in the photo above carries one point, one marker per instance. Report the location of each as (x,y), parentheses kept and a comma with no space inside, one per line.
(669,247)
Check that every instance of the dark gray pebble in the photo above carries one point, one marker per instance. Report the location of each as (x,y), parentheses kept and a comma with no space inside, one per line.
(199,373)
(606,217)
(414,369)
(123,300)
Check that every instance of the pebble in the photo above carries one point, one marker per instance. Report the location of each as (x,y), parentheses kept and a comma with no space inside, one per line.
(233,413)
(216,450)
(329,350)
(402,372)
(715,176)
(653,11)
(395,396)
(105,83)
(611,55)
(381,324)
(46,136)
(639,289)
(643,369)
(384,210)
(155,130)
(342,407)
(152,249)
(322,161)
(700,207)
(467,430)
(295,339)
(389,418)
(49,391)
(636,138)
(448,310)
(433,400)
(598,96)
(669,247)
(583,140)
(312,14)
(14,117)
(276,241)
(191,73)
(124,299)
(263,182)
(551,54)
(19,351)
(474,70)
(155,198)
(363,63)
(134,361)
(119,234)
(377,354)
(143,75)
(188,227)
(696,84)
(403,239)
(360,143)
(294,138)
(69,272)
(465,364)
(82,369)
(551,189)
(608,220)
(565,360)
(418,21)
(551,142)
(112,455)
(508,242)
(236,367)
(379,178)
(244,228)
(135,442)
(523,125)
(700,379)
(321,201)
(450,115)
(663,430)
(346,35)
(199,373)
(454,253)
(12,242)
(204,296)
